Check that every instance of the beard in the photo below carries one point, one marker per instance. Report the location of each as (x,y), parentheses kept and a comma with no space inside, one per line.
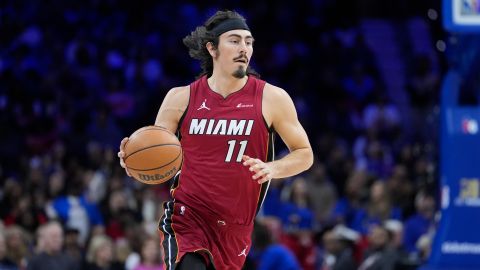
(239,73)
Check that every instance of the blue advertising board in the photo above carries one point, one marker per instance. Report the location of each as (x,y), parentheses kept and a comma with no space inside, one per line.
(457,239)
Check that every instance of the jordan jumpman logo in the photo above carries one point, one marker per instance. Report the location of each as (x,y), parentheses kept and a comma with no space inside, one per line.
(203,106)
(244,252)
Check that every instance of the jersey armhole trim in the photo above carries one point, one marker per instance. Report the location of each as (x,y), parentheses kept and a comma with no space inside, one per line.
(270,129)
(180,122)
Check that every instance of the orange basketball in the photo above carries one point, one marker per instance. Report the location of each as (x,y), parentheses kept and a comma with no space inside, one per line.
(153,155)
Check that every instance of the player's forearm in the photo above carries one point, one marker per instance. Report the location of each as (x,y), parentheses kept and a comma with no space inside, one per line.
(295,162)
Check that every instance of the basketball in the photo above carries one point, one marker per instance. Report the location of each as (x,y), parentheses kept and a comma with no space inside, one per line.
(153,155)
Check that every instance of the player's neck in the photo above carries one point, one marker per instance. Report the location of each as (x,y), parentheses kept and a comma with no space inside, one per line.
(225,85)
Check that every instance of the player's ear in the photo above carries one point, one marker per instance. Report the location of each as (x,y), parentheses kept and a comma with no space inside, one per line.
(211,49)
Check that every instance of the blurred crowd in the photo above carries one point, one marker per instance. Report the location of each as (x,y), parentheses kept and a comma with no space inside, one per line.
(78,76)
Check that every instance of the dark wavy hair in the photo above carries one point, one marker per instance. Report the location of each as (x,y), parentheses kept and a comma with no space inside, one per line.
(198,39)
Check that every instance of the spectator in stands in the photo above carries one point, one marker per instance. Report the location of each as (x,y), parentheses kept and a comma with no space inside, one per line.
(321,192)
(5,262)
(401,190)
(73,246)
(119,214)
(151,255)
(269,255)
(378,209)
(420,223)
(396,231)
(50,254)
(346,207)
(380,254)
(338,243)
(26,213)
(297,208)
(298,224)
(17,242)
(378,160)
(74,210)
(100,254)
(382,116)
(122,251)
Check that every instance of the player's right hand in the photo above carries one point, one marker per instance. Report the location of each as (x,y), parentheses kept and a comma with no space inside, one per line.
(121,155)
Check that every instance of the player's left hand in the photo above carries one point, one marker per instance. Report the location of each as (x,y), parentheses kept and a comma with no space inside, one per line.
(262,170)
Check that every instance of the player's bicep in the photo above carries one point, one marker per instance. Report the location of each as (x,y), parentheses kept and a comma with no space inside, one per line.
(173,106)
(287,125)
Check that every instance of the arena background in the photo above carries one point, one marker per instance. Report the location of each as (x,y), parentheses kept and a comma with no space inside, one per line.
(366,78)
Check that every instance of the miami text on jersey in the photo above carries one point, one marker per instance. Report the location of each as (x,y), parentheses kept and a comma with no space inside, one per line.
(221,126)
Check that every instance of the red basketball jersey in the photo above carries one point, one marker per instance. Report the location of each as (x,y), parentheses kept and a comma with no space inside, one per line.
(215,132)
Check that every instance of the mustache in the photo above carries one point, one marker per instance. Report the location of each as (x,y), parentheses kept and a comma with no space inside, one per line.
(241,57)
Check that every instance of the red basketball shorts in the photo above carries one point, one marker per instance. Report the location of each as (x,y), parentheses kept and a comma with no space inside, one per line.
(183,230)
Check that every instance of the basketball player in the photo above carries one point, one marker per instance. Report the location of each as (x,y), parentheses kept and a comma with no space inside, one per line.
(226,120)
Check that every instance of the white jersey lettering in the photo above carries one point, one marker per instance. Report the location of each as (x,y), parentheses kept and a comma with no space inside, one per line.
(236,128)
(210,126)
(221,127)
(249,127)
(196,127)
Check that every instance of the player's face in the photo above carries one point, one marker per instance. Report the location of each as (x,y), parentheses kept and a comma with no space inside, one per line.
(235,48)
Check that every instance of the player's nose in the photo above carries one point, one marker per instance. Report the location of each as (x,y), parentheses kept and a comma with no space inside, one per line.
(243,47)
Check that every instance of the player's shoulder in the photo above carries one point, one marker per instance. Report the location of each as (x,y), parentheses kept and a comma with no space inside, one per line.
(276,102)
(274,93)
(179,92)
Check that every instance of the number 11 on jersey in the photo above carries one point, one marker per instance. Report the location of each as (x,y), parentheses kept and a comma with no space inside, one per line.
(231,148)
